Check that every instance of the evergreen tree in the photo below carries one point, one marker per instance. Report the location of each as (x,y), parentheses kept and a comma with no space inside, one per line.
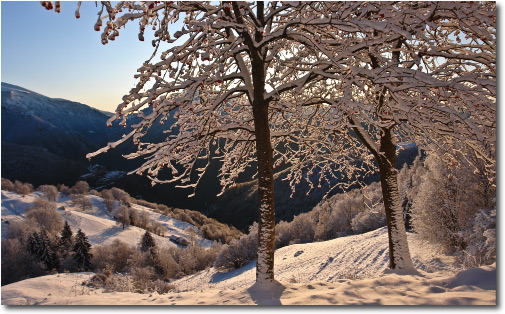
(41,247)
(147,242)
(81,249)
(33,244)
(66,238)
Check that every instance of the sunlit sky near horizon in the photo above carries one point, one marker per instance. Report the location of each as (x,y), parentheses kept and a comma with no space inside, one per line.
(60,56)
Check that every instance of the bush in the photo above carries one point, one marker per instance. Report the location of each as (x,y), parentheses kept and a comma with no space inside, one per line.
(17,263)
(109,200)
(445,205)
(21,229)
(121,196)
(157,228)
(50,192)
(22,188)
(114,256)
(239,251)
(300,230)
(44,215)
(95,193)
(148,204)
(65,190)
(7,185)
(368,221)
(80,187)
(481,239)
(82,201)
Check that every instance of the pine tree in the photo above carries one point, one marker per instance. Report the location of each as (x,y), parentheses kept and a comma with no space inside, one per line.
(45,252)
(33,244)
(147,242)
(66,238)
(81,251)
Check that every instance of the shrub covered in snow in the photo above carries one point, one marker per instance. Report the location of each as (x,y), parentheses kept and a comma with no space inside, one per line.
(82,201)
(300,230)
(481,239)
(44,215)
(80,187)
(114,256)
(7,185)
(50,192)
(368,220)
(446,203)
(22,188)
(239,251)
(17,262)
(210,228)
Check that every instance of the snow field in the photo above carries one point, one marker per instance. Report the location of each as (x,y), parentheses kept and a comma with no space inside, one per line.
(98,224)
(344,271)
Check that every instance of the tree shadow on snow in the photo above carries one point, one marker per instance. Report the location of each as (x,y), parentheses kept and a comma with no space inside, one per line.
(267,293)
(107,233)
(225,275)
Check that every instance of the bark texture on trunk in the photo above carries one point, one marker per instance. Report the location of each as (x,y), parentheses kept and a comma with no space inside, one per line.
(399,253)
(264,156)
(266,232)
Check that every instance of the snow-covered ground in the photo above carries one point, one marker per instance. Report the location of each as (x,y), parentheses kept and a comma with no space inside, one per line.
(98,224)
(344,271)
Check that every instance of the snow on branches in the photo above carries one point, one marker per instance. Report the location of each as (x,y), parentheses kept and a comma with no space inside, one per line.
(205,82)
(425,69)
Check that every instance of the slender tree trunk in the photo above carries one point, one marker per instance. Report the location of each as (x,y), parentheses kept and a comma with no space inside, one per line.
(266,224)
(264,155)
(399,254)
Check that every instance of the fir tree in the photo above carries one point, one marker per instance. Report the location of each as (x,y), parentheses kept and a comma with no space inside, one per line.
(42,250)
(33,244)
(81,251)
(147,243)
(66,238)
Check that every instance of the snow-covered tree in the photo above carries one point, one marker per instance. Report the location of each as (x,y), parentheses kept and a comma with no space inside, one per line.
(50,192)
(44,215)
(81,187)
(221,79)
(122,216)
(82,256)
(290,82)
(481,239)
(448,200)
(83,201)
(422,72)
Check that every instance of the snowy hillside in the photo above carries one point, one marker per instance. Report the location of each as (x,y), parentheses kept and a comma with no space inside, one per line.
(69,116)
(98,224)
(344,271)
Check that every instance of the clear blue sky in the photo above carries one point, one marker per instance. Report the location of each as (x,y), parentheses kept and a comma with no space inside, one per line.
(60,56)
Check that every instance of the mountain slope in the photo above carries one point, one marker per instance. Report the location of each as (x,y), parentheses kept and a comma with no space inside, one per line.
(239,206)
(65,128)
(38,166)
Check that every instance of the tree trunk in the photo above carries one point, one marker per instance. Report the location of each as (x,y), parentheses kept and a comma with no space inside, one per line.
(399,254)
(266,232)
(264,156)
